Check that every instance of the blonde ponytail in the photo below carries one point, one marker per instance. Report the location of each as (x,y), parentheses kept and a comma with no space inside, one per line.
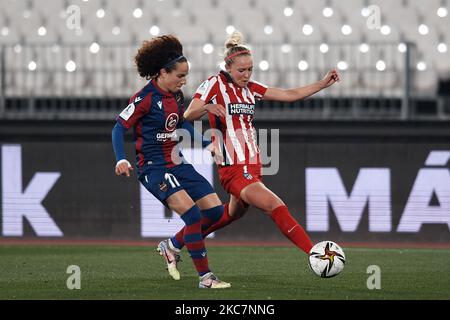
(234,39)
(234,46)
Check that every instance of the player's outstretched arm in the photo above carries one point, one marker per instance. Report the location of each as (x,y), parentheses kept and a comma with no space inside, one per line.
(123,166)
(198,108)
(291,95)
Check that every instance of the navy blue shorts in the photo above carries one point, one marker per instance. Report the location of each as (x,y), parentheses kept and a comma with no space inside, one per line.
(163,182)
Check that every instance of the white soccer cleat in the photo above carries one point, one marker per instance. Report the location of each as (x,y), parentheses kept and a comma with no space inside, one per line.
(171,256)
(210,281)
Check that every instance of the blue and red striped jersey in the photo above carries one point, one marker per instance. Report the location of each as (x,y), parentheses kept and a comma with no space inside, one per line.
(154,114)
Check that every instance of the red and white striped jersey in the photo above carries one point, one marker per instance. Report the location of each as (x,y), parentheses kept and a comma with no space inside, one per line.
(238,134)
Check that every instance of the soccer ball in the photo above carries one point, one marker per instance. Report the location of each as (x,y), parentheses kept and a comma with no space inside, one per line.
(326,259)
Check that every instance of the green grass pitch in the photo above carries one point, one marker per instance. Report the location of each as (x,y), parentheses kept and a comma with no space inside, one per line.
(282,273)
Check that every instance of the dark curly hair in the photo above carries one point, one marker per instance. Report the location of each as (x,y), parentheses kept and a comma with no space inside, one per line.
(156,53)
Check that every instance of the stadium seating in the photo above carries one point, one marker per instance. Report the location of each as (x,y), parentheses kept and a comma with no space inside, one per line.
(282,33)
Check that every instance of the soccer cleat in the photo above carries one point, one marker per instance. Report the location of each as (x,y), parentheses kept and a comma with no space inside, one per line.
(210,281)
(171,256)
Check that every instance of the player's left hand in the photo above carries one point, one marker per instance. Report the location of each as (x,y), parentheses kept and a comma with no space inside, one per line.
(330,78)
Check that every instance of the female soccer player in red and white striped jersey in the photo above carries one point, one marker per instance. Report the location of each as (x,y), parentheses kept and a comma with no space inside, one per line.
(229,99)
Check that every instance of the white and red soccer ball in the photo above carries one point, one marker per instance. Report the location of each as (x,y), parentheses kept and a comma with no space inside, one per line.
(326,259)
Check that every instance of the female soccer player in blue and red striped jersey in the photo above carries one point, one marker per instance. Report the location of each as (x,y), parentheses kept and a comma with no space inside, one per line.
(229,99)
(155,112)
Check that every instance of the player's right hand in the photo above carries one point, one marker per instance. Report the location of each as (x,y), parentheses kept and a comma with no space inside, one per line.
(123,167)
(216,109)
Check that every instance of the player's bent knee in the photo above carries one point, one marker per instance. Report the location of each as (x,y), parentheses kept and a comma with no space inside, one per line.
(238,213)
(267,202)
(209,201)
(277,203)
(268,206)
(236,208)
(180,202)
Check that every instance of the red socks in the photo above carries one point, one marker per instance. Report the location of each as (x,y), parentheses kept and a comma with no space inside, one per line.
(281,216)
(194,240)
(207,228)
(291,229)
(224,220)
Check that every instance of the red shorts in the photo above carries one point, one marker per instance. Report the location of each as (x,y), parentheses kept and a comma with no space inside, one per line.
(236,177)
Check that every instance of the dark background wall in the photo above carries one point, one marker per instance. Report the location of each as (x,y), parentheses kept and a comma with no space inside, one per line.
(89,201)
